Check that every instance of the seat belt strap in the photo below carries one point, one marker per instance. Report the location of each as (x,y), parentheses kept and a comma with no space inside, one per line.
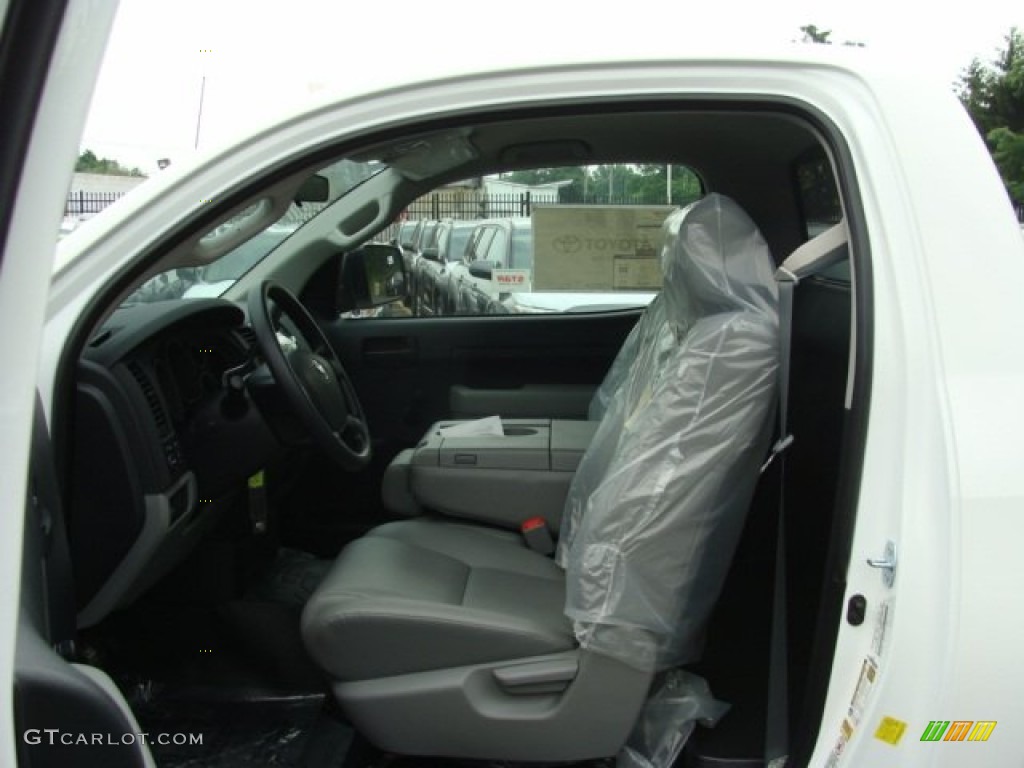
(824,250)
(776,733)
(786,281)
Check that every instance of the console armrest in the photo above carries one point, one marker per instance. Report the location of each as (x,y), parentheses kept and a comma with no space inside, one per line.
(497,479)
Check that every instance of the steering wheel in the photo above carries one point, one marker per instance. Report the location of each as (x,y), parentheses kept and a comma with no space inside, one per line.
(310,375)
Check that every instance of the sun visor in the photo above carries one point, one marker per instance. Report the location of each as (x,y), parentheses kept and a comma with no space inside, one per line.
(425,156)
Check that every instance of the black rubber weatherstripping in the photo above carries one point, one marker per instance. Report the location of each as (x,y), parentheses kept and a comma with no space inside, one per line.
(30,31)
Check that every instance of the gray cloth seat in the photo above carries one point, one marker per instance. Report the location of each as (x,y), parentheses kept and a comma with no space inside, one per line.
(449,639)
(460,594)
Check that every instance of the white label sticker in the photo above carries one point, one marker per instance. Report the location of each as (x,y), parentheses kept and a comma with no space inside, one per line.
(511,280)
(868,675)
(881,625)
(636,273)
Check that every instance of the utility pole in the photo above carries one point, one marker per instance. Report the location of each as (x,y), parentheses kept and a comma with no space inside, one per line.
(668,185)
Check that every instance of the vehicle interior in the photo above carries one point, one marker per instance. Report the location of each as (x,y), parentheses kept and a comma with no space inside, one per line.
(241,483)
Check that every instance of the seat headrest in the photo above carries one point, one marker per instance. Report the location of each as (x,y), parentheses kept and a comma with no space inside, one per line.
(714,260)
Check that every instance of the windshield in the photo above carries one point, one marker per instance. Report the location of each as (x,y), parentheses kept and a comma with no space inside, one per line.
(215,278)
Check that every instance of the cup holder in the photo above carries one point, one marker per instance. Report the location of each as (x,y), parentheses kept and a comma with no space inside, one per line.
(518,431)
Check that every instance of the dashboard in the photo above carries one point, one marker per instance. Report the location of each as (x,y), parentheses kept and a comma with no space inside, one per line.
(165,437)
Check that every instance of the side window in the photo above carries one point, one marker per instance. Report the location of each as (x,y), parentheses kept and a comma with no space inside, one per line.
(481,244)
(408,233)
(817,192)
(427,236)
(522,248)
(497,250)
(819,202)
(550,240)
(454,248)
(470,249)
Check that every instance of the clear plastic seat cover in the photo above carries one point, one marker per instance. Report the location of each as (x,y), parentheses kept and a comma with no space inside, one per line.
(642,336)
(658,502)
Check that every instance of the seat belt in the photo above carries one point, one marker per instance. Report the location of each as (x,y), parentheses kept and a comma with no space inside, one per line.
(776,728)
(824,250)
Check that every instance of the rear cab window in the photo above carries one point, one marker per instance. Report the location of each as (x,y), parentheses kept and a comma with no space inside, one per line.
(819,204)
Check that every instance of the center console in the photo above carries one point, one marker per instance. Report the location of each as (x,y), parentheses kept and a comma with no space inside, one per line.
(501,479)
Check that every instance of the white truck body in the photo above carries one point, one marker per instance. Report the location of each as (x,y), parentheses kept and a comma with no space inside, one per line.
(943,469)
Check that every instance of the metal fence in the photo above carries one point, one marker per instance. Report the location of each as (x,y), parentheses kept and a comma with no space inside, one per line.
(448,205)
(437,205)
(455,205)
(479,205)
(84,203)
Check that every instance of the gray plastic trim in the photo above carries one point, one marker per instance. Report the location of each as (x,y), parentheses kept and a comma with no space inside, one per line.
(501,497)
(525,445)
(159,540)
(396,493)
(549,676)
(565,401)
(102,681)
(569,441)
(501,480)
(466,713)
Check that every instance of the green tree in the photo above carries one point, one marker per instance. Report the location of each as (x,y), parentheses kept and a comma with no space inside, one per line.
(1008,152)
(89,163)
(814,35)
(649,185)
(993,95)
(618,184)
(811,34)
(575,174)
(609,183)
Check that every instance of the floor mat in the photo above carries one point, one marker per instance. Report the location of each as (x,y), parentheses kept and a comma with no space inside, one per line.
(291,578)
(299,732)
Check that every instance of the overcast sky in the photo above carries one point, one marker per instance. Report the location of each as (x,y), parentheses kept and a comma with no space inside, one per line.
(260,58)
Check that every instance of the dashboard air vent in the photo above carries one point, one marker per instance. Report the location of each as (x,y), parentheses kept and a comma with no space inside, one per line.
(156,406)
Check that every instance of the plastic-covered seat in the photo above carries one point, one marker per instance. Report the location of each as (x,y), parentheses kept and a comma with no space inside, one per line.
(645,333)
(658,501)
(458,640)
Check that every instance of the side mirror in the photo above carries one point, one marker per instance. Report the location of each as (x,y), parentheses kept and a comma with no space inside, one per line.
(482,268)
(371,276)
(431,254)
(315,189)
